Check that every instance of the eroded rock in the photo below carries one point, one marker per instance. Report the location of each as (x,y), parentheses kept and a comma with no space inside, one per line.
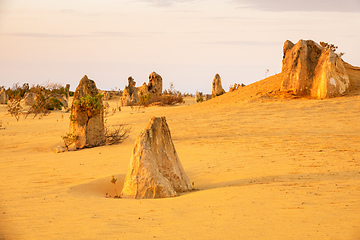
(217,88)
(87,123)
(312,70)
(155,170)
(3,97)
(155,84)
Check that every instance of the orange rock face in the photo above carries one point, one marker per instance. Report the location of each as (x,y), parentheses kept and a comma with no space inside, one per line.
(311,70)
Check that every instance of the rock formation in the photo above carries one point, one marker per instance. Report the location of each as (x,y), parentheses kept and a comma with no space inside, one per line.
(217,88)
(207,97)
(155,84)
(87,123)
(199,97)
(132,95)
(309,69)
(67,90)
(3,97)
(155,170)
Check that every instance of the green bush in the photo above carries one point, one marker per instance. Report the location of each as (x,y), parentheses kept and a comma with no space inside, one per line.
(53,103)
(91,105)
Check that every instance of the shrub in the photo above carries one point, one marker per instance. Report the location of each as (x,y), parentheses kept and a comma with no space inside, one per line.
(14,108)
(17,91)
(91,105)
(69,139)
(53,103)
(116,134)
(331,47)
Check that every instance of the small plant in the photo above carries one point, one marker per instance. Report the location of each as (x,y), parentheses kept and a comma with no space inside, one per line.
(332,47)
(14,108)
(113,181)
(1,126)
(54,103)
(91,105)
(116,134)
(69,139)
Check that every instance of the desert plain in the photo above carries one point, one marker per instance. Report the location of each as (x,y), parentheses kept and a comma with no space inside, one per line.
(262,167)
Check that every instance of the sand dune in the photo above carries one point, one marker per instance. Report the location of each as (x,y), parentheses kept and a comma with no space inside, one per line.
(265,168)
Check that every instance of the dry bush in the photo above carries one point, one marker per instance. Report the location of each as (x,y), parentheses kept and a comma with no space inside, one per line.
(14,108)
(235,87)
(332,47)
(116,134)
(43,105)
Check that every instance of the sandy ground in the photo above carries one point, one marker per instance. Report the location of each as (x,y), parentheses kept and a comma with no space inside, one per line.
(264,168)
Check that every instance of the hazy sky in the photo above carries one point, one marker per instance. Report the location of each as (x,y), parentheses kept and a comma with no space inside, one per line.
(186,41)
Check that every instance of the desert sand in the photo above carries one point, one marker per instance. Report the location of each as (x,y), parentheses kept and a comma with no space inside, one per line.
(262,167)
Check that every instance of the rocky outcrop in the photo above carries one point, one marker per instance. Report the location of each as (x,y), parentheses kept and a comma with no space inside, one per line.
(87,120)
(199,97)
(309,69)
(217,88)
(3,97)
(155,170)
(132,95)
(155,84)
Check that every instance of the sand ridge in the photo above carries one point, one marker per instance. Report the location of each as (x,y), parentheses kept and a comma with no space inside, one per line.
(265,168)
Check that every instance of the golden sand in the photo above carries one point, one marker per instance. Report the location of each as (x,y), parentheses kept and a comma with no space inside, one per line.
(264,168)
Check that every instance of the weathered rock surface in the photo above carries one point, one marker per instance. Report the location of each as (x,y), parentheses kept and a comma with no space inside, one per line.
(88,125)
(312,70)
(3,97)
(155,170)
(155,84)
(217,88)
(59,149)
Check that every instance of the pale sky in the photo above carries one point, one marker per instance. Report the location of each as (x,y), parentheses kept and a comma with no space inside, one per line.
(186,41)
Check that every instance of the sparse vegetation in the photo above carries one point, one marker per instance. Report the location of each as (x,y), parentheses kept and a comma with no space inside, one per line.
(169,97)
(116,134)
(113,181)
(235,87)
(331,47)
(14,108)
(69,139)
(90,105)
(47,98)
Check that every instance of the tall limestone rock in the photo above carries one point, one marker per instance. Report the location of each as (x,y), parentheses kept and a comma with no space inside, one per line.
(309,69)
(155,84)
(3,97)
(155,170)
(87,122)
(217,88)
